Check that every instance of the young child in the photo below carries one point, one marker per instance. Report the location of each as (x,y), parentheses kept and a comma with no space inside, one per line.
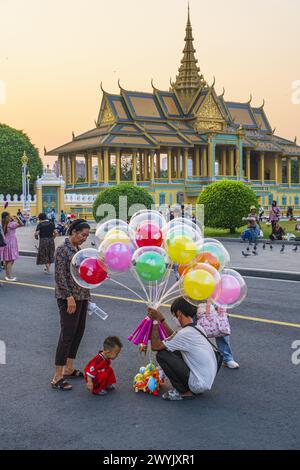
(99,374)
(223,342)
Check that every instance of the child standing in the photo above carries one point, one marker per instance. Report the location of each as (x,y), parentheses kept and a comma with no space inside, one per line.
(98,373)
(216,325)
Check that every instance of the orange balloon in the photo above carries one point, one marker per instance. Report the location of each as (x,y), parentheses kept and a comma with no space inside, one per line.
(205,257)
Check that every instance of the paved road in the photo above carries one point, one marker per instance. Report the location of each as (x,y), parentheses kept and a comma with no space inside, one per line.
(265,259)
(255,407)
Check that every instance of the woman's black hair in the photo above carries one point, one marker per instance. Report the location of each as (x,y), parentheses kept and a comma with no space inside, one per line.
(274,203)
(187,309)
(77,226)
(42,216)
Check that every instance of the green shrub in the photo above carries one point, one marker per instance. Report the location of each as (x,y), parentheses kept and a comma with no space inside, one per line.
(13,143)
(135,195)
(226,203)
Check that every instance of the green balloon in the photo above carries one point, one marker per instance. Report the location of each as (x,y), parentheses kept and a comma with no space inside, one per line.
(151,266)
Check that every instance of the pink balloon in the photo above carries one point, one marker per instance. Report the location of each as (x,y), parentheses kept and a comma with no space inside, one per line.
(118,257)
(230,290)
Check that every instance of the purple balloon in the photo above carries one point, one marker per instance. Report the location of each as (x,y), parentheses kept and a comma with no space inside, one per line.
(118,257)
(230,290)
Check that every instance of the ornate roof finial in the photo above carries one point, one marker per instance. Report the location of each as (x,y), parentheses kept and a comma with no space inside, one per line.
(214,82)
(95,122)
(262,106)
(152,84)
(45,150)
(101,87)
(188,80)
(73,135)
(223,93)
(295,140)
(273,131)
(249,102)
(119,85)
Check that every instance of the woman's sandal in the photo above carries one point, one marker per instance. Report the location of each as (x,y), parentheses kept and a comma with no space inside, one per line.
(61,384)
(76,374)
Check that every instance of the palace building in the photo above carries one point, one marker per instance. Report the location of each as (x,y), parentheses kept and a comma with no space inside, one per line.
(175,142)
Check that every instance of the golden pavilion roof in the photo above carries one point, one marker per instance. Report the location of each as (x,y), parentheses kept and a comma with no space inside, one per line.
(184,116)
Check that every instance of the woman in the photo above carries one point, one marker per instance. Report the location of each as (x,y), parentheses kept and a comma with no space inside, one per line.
(277,232)
(72,303)
(10,253)
(45,231)
(253,228)
(274,214)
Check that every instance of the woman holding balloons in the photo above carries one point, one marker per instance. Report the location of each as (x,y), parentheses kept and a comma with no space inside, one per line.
(72,300)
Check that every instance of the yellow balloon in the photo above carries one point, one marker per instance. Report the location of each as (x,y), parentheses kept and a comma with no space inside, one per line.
(181,250)
(116,236)
(199,284)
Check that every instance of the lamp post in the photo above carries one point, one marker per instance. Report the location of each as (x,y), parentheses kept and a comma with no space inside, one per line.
(25,182)
(28,185)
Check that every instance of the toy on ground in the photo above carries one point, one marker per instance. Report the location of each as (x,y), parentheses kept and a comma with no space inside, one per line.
(149,379)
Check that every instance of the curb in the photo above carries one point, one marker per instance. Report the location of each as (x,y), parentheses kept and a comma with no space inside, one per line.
(260,240)
(247,272)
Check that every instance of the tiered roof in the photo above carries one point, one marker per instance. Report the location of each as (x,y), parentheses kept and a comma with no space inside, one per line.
(182,117)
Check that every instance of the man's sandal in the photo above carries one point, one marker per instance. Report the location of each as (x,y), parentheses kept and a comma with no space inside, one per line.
(174,395)
(76,374)
(61,385)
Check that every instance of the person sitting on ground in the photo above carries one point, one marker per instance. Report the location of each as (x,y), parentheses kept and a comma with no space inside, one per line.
(98,373)
(277,232)
(290,214)
(253,228)
(186,357)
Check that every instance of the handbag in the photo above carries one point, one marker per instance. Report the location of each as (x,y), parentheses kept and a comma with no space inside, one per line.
(214,323)
(218,354)
(2,239)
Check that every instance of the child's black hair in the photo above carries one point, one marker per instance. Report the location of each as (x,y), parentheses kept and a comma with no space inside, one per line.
(187,309)
(111,342)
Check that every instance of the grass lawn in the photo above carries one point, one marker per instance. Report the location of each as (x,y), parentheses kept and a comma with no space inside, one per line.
(289,227)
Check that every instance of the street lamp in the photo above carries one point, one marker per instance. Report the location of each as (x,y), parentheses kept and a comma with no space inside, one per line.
(25,184)
(28,186)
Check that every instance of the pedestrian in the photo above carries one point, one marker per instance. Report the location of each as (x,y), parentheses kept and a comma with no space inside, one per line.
(10,253)
(99,375)
(45,232)
(62,217)
(274,214)
(186,357)
(214,322)
(261,212)
(72,303)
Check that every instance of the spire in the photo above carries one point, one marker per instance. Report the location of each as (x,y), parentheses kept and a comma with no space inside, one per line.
(188,81)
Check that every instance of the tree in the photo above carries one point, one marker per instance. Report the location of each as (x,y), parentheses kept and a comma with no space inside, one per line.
(226,203)
(13,143)
(135,196)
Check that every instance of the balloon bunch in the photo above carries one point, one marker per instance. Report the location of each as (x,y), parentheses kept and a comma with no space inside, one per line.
(148,380)
(150,249)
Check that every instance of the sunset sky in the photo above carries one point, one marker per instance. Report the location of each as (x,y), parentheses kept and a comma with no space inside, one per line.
(55,53)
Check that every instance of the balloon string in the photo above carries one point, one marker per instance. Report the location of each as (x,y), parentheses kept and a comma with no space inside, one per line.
(126,287)
(171,290)
(165,284)
(169,299)
(140,283)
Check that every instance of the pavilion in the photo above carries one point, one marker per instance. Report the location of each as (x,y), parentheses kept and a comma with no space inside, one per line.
(176,142)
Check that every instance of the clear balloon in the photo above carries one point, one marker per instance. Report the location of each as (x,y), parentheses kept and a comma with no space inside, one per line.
(87,269)
(200,283)
(146,216)
(117,256)
(151,264)
(215,252)
(182,224)
(232,291)
(111,227)
(181,249)
(148,234)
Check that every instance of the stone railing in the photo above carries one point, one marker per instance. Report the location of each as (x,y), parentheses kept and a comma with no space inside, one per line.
(79,198)
(15,198)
